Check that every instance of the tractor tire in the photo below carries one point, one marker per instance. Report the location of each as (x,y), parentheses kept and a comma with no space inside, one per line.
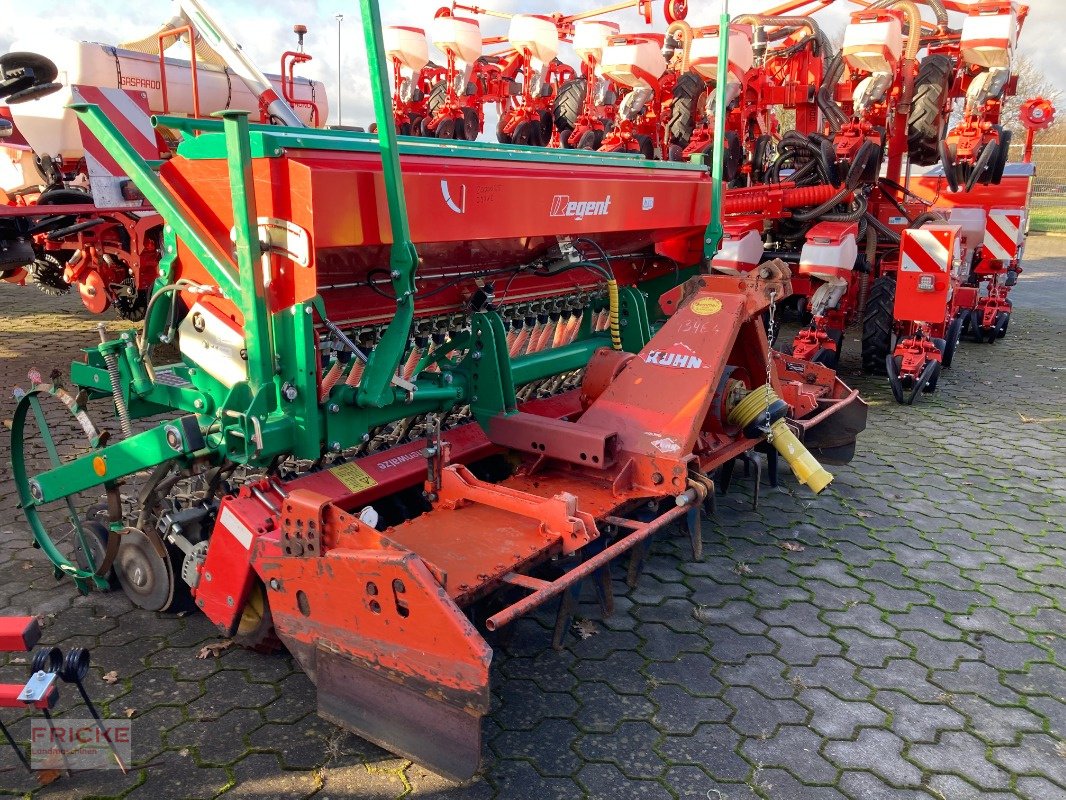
(438,93)
(567,105)
(878,320)
(925,124)
(685,108)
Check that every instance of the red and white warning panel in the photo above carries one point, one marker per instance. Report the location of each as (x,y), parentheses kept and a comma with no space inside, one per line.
(129,112)
(929,258)
(1004,234)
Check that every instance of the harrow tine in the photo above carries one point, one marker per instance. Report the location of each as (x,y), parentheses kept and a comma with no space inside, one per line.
(15,746)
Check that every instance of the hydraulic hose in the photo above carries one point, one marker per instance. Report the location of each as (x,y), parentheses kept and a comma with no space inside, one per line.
(858,211)
(928,216)
(914,20)
(825,99)
(824,208)
(937,5)
(882,229)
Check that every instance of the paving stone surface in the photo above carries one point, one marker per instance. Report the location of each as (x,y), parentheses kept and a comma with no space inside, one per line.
(909,642)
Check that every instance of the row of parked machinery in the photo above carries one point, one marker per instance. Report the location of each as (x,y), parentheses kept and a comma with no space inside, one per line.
(405,392)
(919,259)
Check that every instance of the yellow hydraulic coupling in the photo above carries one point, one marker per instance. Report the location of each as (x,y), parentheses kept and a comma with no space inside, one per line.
(750,414)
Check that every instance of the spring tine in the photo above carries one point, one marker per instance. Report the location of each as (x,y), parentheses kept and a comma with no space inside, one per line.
(330,380)
(15,747)
(560,330)
(355,373)
(100,725)
(52,729)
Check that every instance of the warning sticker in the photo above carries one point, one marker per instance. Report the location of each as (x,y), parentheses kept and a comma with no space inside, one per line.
(353,476)
(706,306)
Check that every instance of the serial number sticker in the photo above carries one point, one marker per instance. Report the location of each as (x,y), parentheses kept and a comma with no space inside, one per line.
(706,306)
(353,477)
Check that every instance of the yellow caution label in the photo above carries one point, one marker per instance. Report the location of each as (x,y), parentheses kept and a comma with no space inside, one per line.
(353,476)
(706,306)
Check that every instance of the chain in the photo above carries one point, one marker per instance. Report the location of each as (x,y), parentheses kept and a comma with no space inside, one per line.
(770,359)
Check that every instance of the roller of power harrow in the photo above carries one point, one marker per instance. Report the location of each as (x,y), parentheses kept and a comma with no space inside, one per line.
(404,406)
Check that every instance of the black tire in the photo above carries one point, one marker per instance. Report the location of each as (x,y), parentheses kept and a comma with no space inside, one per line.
(590,140)
(951,339)
(547,128)
(925,124)
(527,133)
(685,109)
(447,129)
(568,103)
(762,158)
(1001,330)
(501,135)
(438,93)
(878,321)
(1001,158)
(647,146)
(470,126)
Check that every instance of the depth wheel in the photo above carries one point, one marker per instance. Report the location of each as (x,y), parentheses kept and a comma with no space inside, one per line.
(952,337)
(46,429)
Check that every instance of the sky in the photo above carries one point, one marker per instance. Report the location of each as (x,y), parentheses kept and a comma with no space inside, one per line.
(264,29)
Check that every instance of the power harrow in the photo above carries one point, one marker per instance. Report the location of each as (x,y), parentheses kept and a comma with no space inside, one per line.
(409,394)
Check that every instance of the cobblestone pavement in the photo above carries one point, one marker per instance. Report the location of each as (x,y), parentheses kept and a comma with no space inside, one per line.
(902,636)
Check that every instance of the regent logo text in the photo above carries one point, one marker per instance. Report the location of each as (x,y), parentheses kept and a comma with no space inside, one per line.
(563,206)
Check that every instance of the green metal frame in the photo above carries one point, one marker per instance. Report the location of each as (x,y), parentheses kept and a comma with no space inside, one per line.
(276,410)
(716,230)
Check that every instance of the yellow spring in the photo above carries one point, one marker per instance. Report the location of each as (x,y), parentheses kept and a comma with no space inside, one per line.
(616,333)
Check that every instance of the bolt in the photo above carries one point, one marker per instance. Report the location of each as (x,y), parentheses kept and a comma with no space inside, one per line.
(275,584)
(335,447)
(656,478)
(448,378)
(289,392)
(198,403)
(173,437)
(366,437)
(200,602)
(35,491)
(394,274)
(207,576)
(333,408)
(476,355)
(229,601)
(473,399)
(307,310)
